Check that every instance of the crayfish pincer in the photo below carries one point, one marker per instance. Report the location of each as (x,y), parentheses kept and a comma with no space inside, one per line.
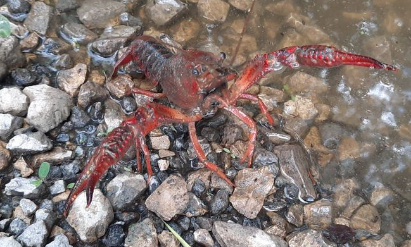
(196,83)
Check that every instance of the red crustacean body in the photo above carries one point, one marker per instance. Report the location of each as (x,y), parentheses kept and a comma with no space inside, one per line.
(196,83)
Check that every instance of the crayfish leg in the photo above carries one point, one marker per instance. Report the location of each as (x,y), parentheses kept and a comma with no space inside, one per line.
(201,155)
(261,105)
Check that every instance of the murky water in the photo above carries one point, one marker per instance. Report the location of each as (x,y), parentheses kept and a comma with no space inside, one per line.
(372,106)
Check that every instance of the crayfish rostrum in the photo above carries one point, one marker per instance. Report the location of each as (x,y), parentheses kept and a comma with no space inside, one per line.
(196,82)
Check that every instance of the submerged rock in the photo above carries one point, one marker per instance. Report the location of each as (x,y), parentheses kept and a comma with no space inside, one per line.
(230,234)
(162,12)
(38,18)
(99,13)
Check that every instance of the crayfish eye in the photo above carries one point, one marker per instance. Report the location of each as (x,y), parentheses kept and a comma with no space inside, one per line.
(195,72)
(223,56)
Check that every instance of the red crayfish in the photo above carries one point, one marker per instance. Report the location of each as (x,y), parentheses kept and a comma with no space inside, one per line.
(196,82)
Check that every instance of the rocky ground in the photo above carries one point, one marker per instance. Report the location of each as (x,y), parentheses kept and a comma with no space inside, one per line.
(56,105)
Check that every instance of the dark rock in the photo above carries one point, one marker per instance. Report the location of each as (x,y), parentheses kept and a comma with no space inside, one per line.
(23,77)
(195,206)
(70,170)
(129,20)
(10,53)
(188,236)
(231,134)
(89,93)
(339,234)
(63,62)
(18,6)
(198,187)
(79,117)
(219,203)
(4,224)
(114,236)
(211,134)
(142,234)
(17,226)
(124,189)
(128,104)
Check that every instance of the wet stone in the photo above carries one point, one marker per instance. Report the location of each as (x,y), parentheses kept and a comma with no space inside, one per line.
(201,176)
(13,101)
(31,142)
(142,234)
(17,226)
(166,239)
(318,215)
(354,203)
(10,53)
(128,104)
(49,106)
(162,12)
(113,115)
(99,13)
(23,77)
(349,148)
(294,165)
(252,186)
(309,238)
(79,117)
(130,20)
(27,206)
(9,242)
(278,227)
(231,134)
(381,196)
(30,42)
(66,5)
(70,80)
(170,198)
(263,157)
(214,11)
(120,86)
(203,237)
(78,33)
(64,61)
(89,93)
(241,4)
(38,18)
(295,215)
(344,191)
(301,82)
(386,241)
(91,223)
(228,234)
(124,189)
(219,202)
(114,236)
(296,126)
(185,31)
(60,241)
(301,107)
(366,218)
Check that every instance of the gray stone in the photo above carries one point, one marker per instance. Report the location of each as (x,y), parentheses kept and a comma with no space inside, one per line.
(219,202)
(294,165)
(113,115)
(49,106)
(195,206)
(230,234)
(381,195)
(71,79)
(10,54)
(309,238)
(18,6)
(162,12)
(89,93)
(142,234)
(112,40)
(91,223)
(252,186)
(203,237)
(24,187)
(170,198)
(4,223)
(13,101)
(31,142)
(60,241)
(17,226)
(8,124)
(58,187)
(241,4)
(35,235)
(124,189)
(214,11)
(47,216)
(301,82)
(99,13)
(38,18)
(295,215)
(278,227)
(9,242)
(28,206)
(66,5)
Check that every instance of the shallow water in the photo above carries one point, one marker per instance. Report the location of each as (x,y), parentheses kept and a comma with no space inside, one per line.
(373,106)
